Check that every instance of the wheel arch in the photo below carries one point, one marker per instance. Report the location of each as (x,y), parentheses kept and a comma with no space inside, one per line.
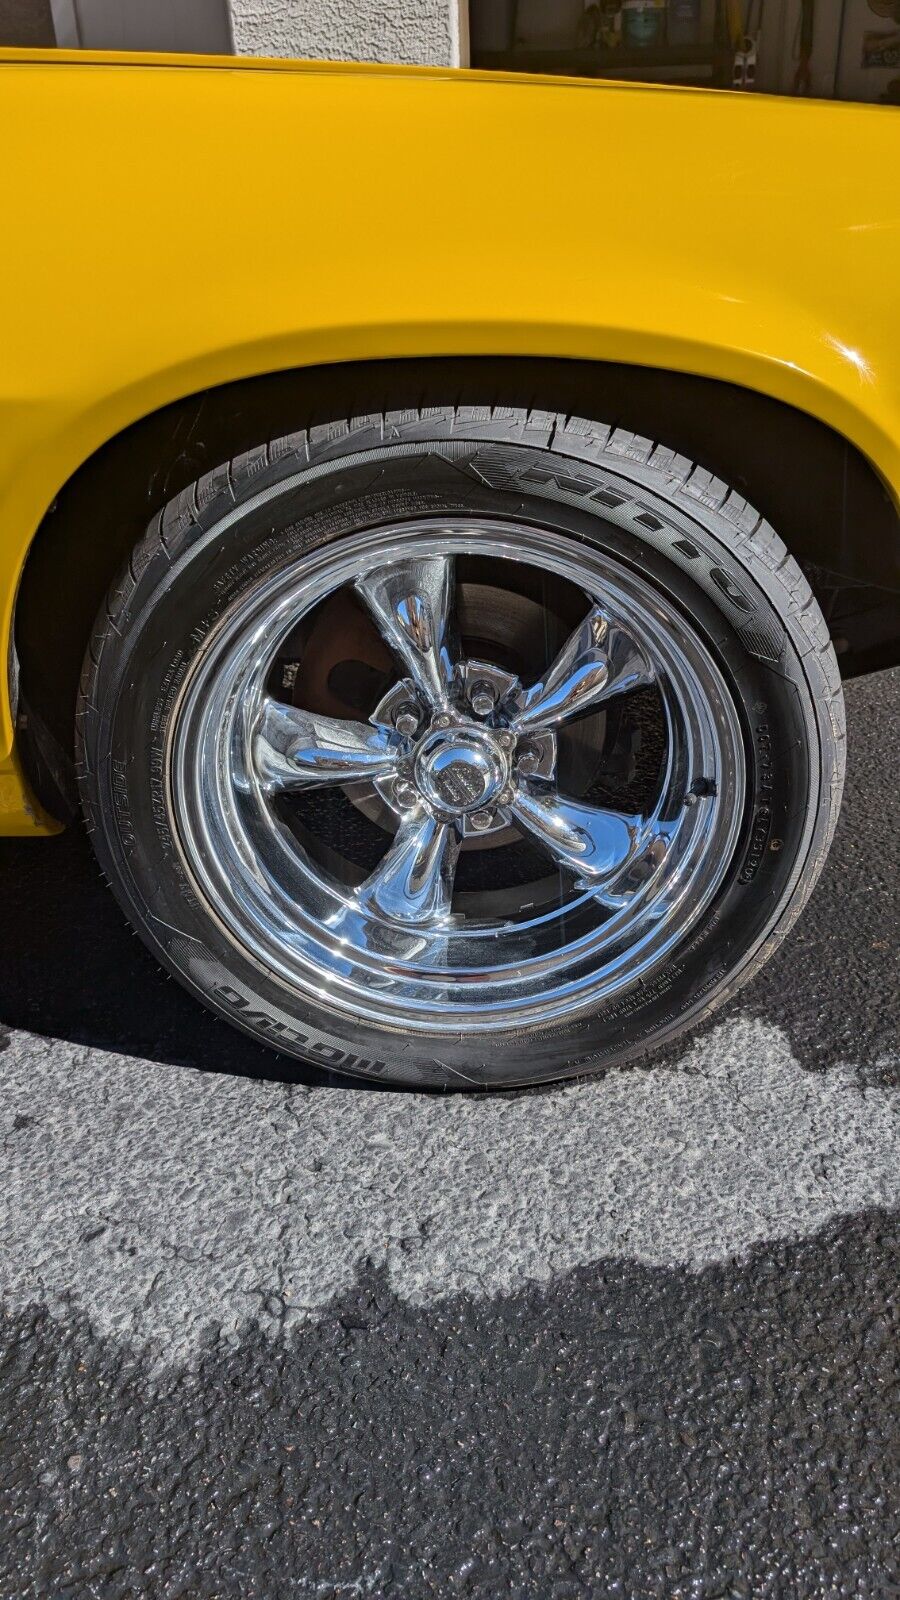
(846,534)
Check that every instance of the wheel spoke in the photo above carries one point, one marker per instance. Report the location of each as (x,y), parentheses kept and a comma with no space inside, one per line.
(294,749)
(591,840)
(598,660)
(410,602)
(414,882)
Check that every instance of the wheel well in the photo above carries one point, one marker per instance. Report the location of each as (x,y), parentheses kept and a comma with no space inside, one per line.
(819,492)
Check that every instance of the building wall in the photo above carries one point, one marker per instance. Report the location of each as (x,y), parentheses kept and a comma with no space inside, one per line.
(434,32)
(200,26)
(426,31)
(26,22)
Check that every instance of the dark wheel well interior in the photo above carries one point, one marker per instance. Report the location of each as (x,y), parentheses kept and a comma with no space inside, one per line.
(821,494)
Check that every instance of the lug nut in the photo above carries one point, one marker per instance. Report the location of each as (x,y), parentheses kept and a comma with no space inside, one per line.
(529,761)
(481,820)
(483,698)
(405,794)
(406,720)
(507,740)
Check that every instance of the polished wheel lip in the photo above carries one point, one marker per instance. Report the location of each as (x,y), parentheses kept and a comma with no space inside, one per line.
(368,957)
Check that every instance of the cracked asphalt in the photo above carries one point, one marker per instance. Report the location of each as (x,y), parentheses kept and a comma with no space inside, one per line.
(265,1333)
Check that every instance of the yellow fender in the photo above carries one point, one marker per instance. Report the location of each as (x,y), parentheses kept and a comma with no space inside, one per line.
(177,223)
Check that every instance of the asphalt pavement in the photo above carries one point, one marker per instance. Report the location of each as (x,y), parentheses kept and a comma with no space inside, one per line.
(267,1333)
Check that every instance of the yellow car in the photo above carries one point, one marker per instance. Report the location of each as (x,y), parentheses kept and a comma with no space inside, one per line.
(432,506)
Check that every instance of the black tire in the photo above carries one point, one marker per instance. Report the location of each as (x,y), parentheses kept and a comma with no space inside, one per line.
(700,543)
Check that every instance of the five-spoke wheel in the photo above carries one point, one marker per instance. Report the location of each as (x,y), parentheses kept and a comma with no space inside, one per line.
(461,745)
(471,746)
(459,748)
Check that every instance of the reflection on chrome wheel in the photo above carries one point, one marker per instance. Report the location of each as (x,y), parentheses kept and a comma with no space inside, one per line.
(461,746)
(459,754)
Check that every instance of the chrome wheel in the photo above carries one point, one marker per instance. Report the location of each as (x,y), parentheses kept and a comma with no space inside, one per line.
(500,885)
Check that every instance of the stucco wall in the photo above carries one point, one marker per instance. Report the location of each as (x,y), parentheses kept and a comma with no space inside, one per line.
(352,30)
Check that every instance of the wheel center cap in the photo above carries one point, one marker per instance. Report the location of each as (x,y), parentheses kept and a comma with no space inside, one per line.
(459,770)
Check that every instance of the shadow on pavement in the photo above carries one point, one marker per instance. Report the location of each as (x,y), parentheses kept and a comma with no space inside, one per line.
(72,969)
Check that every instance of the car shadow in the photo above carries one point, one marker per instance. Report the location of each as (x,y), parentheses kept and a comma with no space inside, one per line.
(72,969)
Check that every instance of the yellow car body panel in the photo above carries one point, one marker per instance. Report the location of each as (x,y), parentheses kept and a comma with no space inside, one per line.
(176,223)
